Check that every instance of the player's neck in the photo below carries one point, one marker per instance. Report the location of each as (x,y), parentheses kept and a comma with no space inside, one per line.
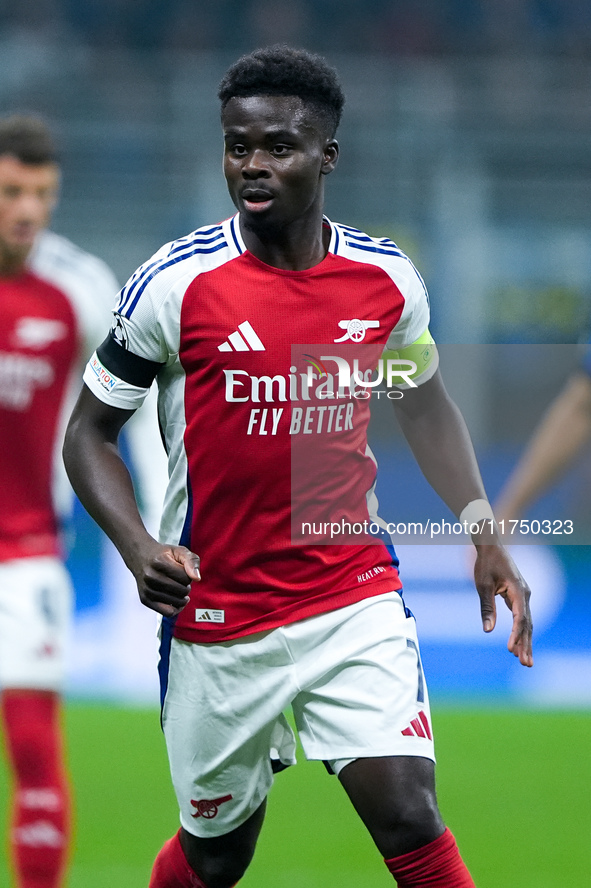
(295,247)
(12,262)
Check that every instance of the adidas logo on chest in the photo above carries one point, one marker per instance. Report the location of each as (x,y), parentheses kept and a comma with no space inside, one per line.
(243,339)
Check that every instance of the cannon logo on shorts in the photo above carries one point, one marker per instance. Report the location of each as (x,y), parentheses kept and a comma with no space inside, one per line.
(208,808)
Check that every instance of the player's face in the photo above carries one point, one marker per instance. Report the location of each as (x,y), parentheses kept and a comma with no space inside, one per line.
(276,153)
(28,194)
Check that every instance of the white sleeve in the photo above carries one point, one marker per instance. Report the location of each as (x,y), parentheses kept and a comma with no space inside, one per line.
(414,319)
(123,367)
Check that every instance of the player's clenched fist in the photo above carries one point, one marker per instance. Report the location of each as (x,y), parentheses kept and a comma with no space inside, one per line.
(164,575)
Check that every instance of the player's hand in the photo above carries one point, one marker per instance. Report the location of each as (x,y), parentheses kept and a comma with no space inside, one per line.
(164,575)
(495,573)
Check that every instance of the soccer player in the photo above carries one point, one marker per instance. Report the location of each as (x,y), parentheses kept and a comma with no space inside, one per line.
(253,623)
(54,300)
(563,431)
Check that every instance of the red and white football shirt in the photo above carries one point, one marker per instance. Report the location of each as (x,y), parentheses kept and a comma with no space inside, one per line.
(235,345)
(51,317)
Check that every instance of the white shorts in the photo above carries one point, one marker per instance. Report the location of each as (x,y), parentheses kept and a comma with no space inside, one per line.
(353,678)
(35,616)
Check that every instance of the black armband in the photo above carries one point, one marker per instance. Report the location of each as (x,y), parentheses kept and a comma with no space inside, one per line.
(127,366)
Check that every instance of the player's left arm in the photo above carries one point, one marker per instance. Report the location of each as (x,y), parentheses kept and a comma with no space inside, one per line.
(440,441)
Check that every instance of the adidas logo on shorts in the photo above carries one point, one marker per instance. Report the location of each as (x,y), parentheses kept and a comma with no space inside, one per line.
(419,727)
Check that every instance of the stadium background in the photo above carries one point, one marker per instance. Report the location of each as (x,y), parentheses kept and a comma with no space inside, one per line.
(466,140)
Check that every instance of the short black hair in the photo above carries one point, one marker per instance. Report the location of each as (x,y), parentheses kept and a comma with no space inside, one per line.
(28,138)
(281,70)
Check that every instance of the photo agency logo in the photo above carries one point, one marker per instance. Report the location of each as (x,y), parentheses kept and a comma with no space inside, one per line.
(395,374)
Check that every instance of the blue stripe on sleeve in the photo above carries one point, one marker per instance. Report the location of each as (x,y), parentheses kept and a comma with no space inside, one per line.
(373,248)
(197,239)
(157,267)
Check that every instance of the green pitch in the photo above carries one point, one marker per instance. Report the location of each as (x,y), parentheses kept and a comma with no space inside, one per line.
(514,786)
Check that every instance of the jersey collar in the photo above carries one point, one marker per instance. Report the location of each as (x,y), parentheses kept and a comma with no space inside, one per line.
(234,235)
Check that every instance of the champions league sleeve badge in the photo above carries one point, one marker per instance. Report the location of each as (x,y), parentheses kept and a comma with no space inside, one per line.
(118,332)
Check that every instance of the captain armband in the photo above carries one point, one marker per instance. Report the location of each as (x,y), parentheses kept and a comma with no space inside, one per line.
(422,353)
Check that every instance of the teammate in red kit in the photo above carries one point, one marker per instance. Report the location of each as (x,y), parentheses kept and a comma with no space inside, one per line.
(266,436)
(54,299)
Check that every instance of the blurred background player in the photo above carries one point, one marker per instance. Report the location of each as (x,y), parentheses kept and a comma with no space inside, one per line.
(560,436)
(54,302)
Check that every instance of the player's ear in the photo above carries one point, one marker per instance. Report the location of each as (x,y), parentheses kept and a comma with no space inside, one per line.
(330,156)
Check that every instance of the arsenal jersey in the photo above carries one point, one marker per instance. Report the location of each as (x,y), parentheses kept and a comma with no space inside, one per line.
(51,313)
(271,476)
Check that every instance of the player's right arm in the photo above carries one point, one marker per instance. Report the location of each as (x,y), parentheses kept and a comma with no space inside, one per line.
(102,482)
